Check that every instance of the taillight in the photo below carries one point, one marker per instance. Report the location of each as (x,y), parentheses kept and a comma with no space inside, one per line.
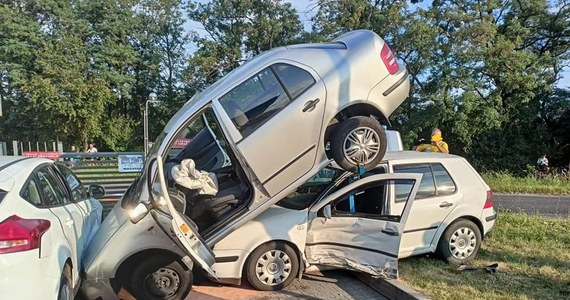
(389,59)
(489,201)
(17,234)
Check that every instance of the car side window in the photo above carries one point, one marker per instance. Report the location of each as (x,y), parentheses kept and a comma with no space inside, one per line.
(78,190)
(427,185)
(254,101)
(436,181)
(32,193)
(443,181)
(50,189)
(369,201)
(295,80)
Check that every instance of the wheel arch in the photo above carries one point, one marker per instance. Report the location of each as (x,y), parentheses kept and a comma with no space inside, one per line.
(129,263)
(358,108)
(471,218)
(289,243)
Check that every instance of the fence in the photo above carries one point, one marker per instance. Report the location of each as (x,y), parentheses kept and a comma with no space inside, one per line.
(113,170)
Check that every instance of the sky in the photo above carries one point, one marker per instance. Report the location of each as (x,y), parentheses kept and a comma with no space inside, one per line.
(306,10)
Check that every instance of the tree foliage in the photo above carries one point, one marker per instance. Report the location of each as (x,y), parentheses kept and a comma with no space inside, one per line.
(486,72)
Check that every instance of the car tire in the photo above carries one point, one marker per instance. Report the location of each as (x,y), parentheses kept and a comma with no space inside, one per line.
(272,266)
(358,141)
(65,290)
(160,277)
(460,242)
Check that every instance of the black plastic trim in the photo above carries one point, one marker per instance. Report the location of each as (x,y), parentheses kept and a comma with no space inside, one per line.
(491,218)
(420,229)
(355,247)
(396,85)
(226,259)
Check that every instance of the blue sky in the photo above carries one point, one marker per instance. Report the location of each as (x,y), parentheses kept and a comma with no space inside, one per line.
(306,10)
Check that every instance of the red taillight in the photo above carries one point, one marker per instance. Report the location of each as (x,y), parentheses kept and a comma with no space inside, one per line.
(489,201)
(17,234)
(389,59)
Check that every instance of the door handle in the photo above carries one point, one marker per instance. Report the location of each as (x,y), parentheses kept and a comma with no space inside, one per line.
(445,204)
(390,232)
(310,105)
(69,222)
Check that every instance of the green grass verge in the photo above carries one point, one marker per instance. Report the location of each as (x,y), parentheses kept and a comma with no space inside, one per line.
(534,263)
(506,183)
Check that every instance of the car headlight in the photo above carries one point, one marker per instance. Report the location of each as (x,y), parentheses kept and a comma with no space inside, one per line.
(138,212)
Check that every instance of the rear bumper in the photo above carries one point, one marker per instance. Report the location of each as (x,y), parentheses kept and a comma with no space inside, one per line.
(99,288)
(24,276)
(389,93)
(488,219)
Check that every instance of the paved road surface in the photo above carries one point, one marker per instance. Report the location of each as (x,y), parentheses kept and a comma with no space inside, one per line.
(548,206)
(341,285)
(332,285)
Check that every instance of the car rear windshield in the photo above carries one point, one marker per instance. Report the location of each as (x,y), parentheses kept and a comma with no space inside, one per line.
(2,195)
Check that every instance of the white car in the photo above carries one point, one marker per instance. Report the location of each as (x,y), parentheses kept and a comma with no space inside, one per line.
(319,225)
(47,219)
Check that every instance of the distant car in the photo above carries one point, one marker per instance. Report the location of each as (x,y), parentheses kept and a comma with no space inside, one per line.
(315,225)
(47,218)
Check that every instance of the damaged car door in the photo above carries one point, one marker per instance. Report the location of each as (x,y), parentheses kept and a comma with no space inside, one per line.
(354,228)
(182,227)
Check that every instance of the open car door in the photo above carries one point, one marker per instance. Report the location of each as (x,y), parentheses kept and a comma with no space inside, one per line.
(353,228)
(185,230)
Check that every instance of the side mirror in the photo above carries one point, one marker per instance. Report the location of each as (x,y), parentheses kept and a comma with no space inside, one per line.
(96,191)
(327,211)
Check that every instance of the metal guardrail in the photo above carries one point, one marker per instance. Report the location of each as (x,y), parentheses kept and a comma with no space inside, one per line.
(115,171)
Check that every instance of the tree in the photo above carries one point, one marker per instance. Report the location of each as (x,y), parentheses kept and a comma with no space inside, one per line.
(235,32)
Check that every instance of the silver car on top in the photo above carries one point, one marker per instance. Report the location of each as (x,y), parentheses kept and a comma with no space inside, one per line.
(262,130)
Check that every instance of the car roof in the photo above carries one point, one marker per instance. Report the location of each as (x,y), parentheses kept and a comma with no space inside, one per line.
(13,167)
(415,156)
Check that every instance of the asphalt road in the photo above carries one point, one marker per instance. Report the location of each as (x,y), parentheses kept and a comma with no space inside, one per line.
(548,206)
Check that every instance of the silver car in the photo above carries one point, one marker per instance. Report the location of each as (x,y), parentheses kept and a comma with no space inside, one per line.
(250,140)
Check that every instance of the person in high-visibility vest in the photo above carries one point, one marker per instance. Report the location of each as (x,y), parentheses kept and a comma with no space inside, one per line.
(437,143)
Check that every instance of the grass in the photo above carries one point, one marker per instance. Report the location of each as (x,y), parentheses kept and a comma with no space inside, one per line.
(534,263)
(506,183)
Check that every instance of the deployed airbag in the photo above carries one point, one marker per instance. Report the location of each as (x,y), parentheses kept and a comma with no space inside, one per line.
(186,175)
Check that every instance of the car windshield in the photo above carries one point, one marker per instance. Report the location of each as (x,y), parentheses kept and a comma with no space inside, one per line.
(307,193)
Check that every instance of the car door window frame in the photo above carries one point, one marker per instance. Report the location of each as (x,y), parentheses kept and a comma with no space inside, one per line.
(270,67)
(436,194)
(384,217)
(36,178)
(59,170)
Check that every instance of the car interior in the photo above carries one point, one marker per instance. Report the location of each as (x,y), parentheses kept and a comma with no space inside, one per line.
(207,148)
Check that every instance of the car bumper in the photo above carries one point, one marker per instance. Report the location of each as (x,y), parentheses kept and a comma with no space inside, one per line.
(22,270)
(99,288)
(488,217)
(388,94)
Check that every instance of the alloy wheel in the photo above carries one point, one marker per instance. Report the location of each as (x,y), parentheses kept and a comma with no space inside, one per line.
(361,146)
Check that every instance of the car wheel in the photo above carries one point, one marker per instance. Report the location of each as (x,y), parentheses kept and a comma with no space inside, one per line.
(65,290)
(460,242)
(272,266)
(358,141)
(160,277)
